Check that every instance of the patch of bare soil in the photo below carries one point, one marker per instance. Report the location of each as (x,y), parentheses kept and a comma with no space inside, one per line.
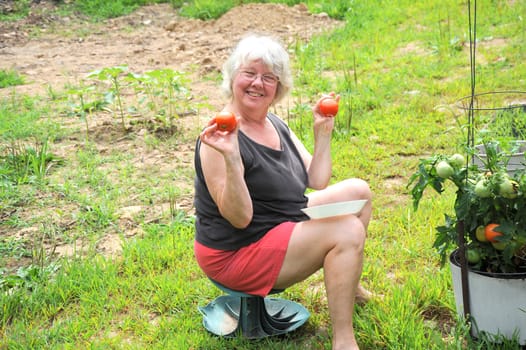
(154,37)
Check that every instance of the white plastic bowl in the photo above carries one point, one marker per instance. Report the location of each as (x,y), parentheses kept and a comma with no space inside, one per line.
(335,209)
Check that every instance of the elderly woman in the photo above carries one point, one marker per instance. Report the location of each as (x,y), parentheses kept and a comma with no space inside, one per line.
(250,186)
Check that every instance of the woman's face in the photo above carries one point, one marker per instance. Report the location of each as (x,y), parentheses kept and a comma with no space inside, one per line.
(254,86)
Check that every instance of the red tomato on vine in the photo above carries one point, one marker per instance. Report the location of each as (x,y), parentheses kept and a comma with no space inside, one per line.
(490,233)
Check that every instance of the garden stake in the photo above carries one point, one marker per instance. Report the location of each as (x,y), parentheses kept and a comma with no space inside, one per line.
(463,269)
(470,141)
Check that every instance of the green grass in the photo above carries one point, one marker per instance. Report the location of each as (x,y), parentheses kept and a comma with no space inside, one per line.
(399,67)
(17,9)
(10,78)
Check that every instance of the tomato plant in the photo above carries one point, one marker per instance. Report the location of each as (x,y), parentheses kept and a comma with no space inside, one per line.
(489,207)
(226,121)
(329,107)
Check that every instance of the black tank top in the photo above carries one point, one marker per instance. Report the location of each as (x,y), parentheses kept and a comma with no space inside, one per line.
(276,181)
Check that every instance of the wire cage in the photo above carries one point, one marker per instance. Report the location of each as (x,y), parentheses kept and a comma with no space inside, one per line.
(500,115)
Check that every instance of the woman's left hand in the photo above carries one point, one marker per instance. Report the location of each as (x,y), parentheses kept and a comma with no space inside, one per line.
(323,125)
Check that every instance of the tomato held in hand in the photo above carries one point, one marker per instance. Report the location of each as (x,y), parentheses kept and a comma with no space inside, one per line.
(226,121)
(329,107)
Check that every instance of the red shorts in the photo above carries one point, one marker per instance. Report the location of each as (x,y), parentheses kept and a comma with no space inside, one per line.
(252,269)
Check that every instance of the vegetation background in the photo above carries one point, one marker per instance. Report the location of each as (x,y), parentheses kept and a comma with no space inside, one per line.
(96,238)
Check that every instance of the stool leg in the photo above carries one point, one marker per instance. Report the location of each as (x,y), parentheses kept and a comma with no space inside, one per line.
(250,316)
(256,322)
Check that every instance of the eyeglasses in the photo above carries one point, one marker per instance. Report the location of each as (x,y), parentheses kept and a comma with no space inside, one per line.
(267,78)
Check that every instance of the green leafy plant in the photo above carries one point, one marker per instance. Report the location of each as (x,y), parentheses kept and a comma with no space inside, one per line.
(164,92)
(11,247)
(490,204)
(10,78)
(113,76)
(27,277)
(25,164)
(82,105)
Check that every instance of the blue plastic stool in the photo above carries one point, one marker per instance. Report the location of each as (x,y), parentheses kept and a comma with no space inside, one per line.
(251,316)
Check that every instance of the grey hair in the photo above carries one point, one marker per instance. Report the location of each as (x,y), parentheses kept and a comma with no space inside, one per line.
(259,47)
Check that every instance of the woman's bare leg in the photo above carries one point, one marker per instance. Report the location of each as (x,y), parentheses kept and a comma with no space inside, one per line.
(336,245)
(350,189)
(342,270)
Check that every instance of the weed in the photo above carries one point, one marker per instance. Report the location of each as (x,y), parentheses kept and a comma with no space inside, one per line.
(10,78)
(13,247)
(26,164)
(85,102)
(22,117)
(113,75)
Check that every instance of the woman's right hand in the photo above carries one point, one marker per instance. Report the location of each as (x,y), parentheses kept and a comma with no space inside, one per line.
(225,142)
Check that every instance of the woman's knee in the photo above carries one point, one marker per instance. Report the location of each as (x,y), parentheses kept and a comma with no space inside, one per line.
(353,233)
(358,188)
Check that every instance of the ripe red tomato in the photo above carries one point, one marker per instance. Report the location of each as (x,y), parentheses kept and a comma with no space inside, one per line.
(329,107)
(491,234)
(226,121)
